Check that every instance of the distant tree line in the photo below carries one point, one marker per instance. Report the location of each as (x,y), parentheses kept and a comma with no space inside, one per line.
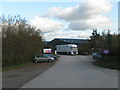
(102,41)
(20,40)
(105,41)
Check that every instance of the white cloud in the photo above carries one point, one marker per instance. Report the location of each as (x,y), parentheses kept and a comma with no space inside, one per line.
(85,10)
(87,15)
(97,22)
(45,24)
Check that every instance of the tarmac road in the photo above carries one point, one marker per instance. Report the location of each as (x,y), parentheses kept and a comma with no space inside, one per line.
(75,72)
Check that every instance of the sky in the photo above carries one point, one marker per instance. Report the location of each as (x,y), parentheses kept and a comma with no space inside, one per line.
(66,19)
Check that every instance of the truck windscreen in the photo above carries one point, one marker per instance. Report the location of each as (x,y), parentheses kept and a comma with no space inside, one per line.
(73,48)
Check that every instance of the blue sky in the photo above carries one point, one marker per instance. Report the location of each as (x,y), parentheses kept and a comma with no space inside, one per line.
(30,10)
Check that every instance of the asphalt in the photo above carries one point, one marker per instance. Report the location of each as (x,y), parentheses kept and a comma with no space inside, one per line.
(75,72)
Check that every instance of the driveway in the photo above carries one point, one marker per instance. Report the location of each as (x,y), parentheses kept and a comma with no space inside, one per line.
(75,72)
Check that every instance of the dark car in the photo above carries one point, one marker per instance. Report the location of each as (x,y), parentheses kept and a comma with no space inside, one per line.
(41,58)
(96,55)
(55,57)
(84,53)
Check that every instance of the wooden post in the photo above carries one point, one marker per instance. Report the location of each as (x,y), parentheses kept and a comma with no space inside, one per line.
(105,56)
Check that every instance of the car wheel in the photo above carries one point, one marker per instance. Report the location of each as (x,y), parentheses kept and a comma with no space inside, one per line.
(49,60)
(36,61)
(93,57)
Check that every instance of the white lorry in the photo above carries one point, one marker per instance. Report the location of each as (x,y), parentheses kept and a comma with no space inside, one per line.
(67,49)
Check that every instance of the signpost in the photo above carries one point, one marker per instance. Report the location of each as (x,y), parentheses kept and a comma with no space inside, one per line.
(106,52)
(47,51)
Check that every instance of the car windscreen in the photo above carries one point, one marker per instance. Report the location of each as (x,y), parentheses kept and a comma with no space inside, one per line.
(37,56)
(45,55)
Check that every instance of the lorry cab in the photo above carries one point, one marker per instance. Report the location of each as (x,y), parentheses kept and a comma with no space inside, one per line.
(74,49)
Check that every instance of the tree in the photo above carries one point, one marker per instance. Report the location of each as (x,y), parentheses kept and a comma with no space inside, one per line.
(21,41)
(105,41)
(95,38)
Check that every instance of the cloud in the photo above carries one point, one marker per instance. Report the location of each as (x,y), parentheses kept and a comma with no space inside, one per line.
(87,15)
(45,24)
(85,10)
(97,22)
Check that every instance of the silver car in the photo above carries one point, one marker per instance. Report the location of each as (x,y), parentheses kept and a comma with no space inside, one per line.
(41,58)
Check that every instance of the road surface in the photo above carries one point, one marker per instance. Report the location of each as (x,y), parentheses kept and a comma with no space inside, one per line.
(75,72)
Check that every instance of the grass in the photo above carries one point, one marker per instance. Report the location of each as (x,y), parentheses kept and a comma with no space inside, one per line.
(57,55)
(15,66)
(0,65)
(111,62)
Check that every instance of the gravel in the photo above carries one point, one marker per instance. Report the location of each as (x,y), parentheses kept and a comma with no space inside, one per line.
(15,78)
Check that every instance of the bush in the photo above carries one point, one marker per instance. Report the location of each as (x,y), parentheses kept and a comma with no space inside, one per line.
(110,62)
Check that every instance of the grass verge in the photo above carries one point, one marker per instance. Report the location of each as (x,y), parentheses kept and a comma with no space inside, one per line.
(15,66)
(111,62)
(18,65)
(57,55)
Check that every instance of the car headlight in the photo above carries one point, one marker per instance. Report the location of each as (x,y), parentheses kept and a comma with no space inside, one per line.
(52,58)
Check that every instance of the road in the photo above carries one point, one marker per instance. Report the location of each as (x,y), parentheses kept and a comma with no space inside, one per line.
(75,72)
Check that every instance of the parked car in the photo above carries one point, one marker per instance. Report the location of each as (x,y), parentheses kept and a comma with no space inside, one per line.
(95,55)
(55,57)
(42,58)
(84,53)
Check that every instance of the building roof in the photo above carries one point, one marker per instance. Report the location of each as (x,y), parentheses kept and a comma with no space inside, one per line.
(59,41)
(72,40)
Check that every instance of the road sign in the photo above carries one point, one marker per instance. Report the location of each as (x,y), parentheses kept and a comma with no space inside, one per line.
(47,51)
(106,51)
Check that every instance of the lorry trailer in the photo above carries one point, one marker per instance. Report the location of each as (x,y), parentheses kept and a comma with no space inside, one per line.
(67,49)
